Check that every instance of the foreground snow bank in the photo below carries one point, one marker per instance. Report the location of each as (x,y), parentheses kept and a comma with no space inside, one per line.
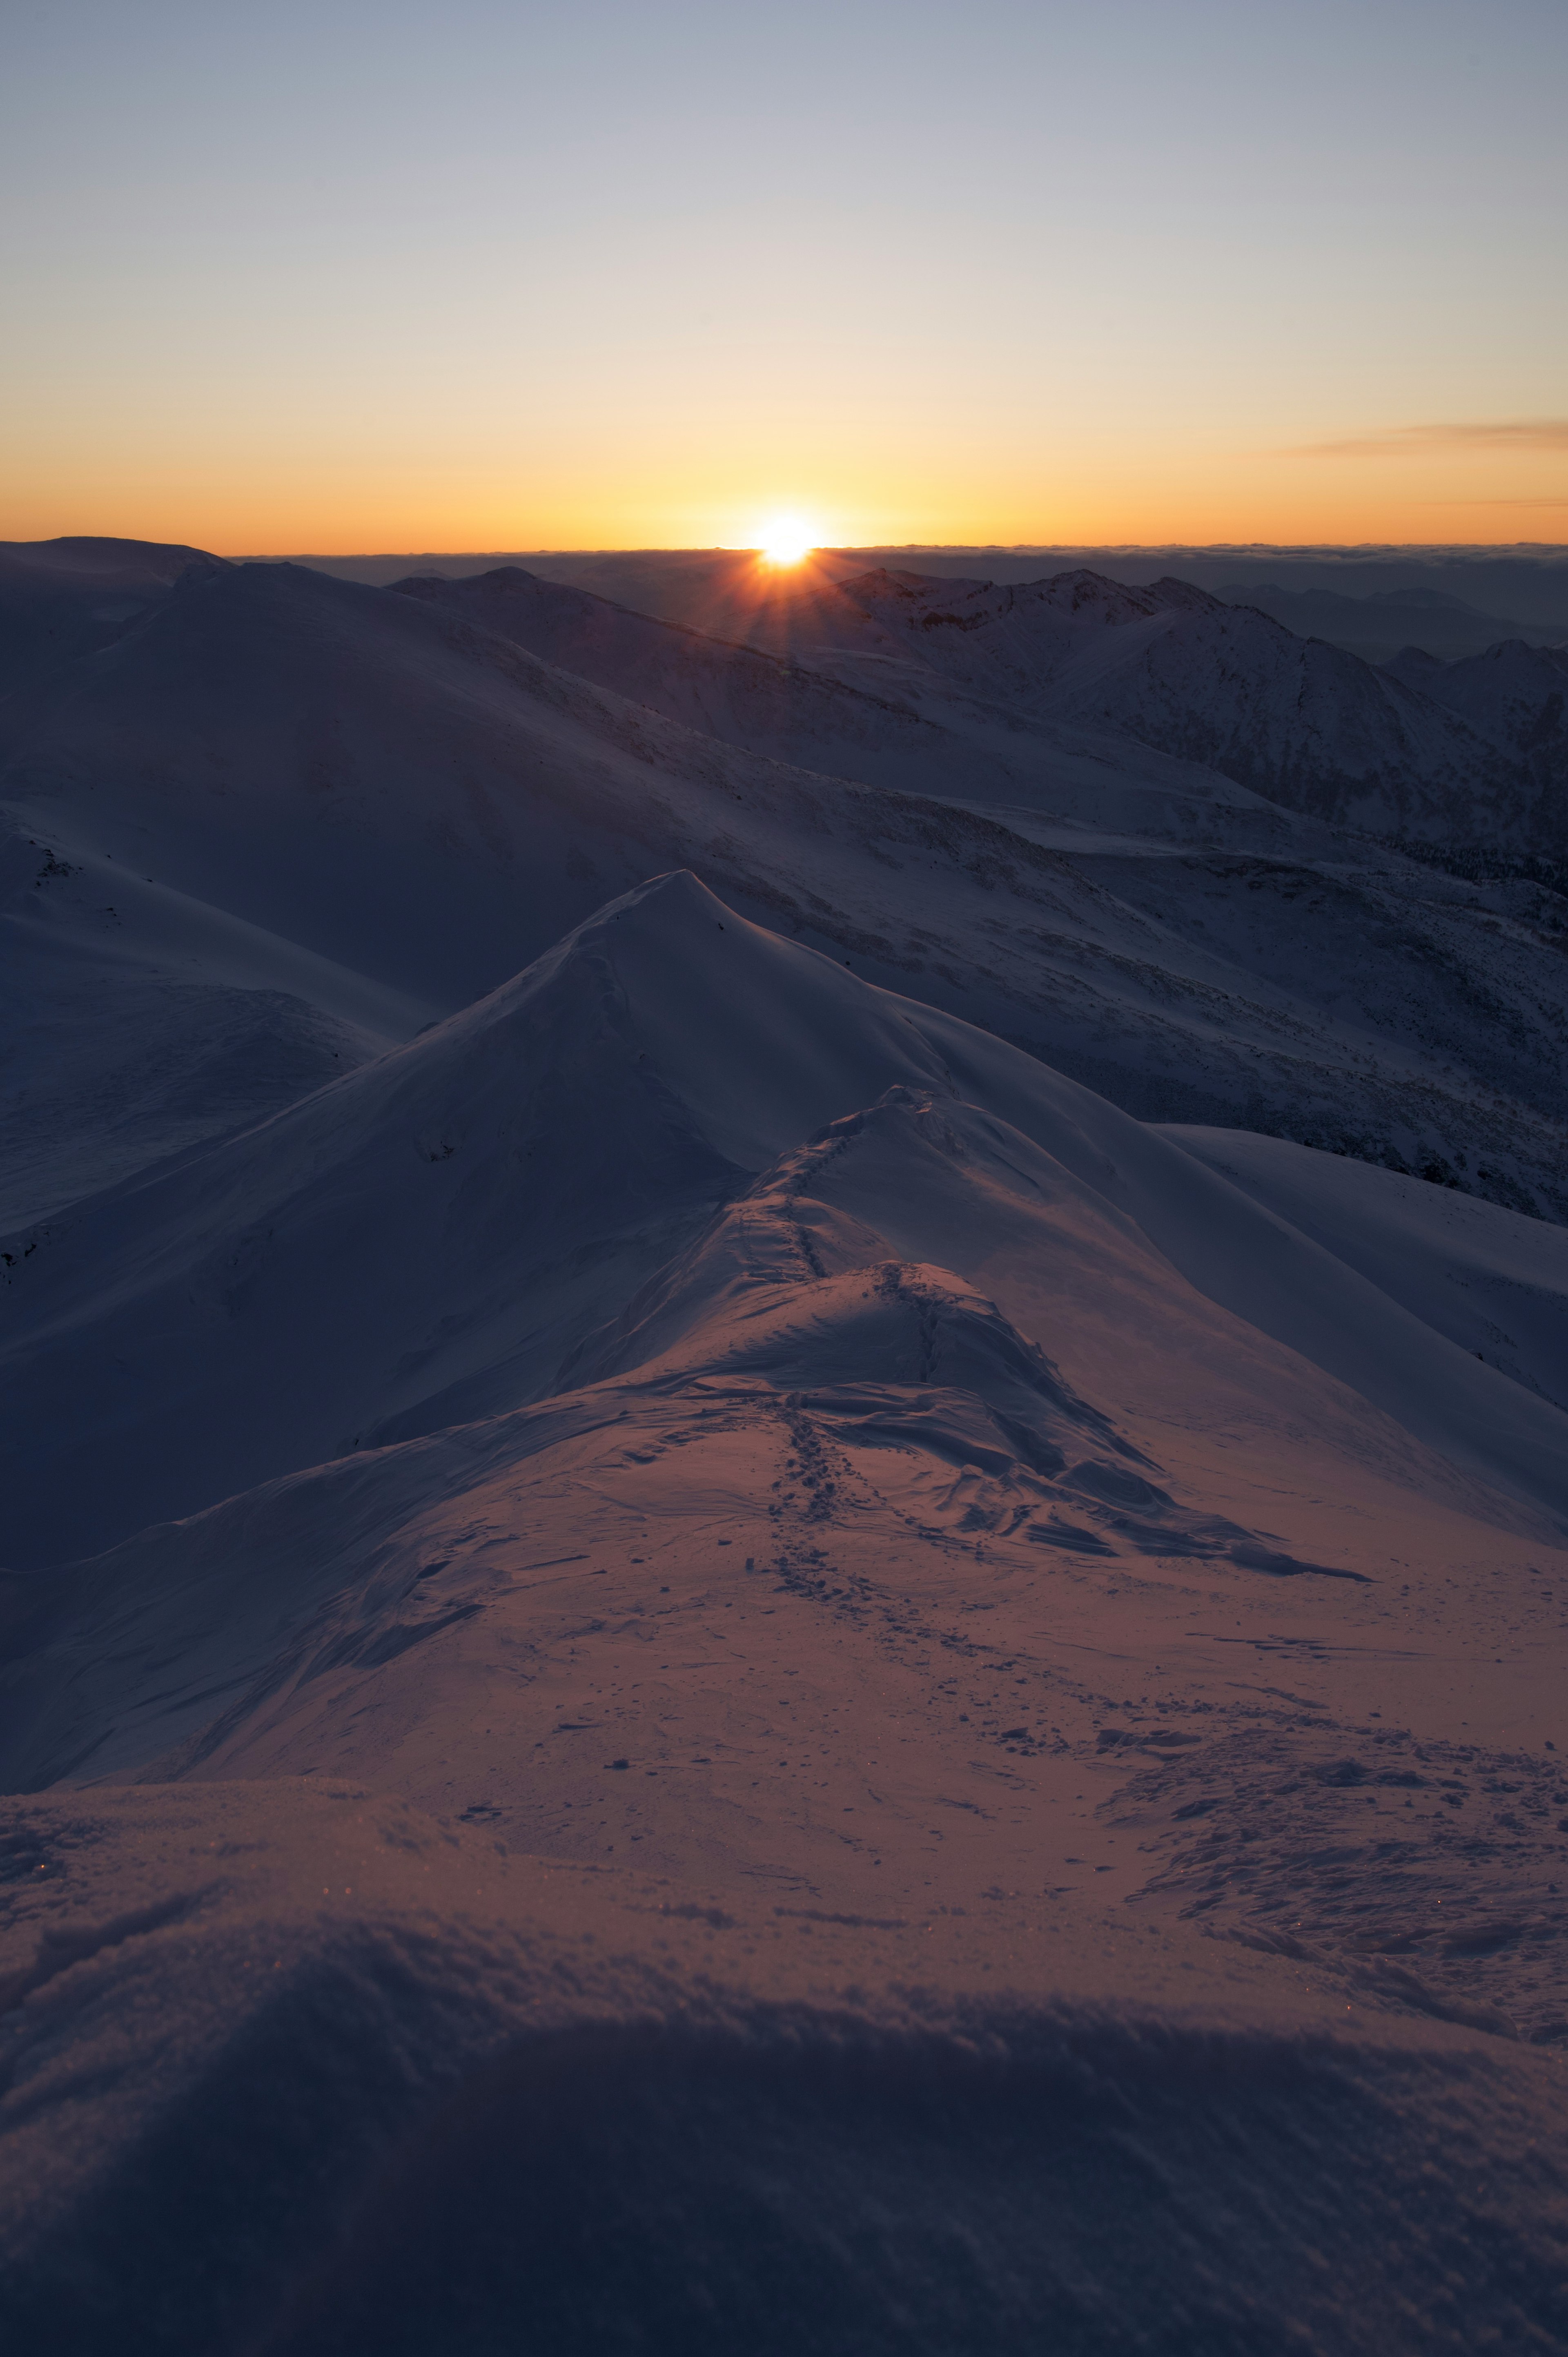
(291,2070)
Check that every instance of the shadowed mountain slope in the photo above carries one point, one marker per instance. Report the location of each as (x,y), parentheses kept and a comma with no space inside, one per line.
(1378,627)
(1493,1282)
(1515,694)
(1199,679)
(454,1223)
(1302,722)
(951,747)
(373,810)
(61,599)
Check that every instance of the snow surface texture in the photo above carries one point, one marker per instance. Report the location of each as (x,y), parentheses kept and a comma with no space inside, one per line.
(696,1657)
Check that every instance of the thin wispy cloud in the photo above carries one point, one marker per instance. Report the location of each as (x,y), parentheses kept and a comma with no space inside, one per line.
(1432,441)
(1552,501)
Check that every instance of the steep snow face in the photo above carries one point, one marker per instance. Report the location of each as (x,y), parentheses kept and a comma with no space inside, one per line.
(1304,722)
(1517,696)
(1007,641)
(1295,719)
(1503,692)
(453,1226)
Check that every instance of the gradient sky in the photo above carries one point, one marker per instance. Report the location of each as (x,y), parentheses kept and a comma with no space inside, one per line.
(348,275)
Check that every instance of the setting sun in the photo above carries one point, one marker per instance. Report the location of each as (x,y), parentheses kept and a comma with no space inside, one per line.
(786,540)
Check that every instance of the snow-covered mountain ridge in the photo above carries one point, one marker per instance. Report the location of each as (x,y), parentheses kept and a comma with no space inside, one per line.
(363,810)
(1183,672)
(681,1609)
(1302,722)
(525,1170)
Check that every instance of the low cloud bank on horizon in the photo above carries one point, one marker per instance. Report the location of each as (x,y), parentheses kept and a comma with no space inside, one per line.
(1419,441)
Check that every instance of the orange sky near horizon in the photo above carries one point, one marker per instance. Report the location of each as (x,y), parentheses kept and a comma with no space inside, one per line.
(361,277)
(289,501)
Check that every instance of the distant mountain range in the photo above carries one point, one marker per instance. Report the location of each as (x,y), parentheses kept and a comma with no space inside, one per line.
(1181,671)
(264,822)
(1371,601)
(1389,621)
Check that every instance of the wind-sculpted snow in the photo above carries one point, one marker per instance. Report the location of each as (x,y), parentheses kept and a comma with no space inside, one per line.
(389,2089)
(455,1219)
(695,1654)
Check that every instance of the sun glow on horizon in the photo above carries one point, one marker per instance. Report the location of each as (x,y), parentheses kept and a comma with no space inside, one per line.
(786,540)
